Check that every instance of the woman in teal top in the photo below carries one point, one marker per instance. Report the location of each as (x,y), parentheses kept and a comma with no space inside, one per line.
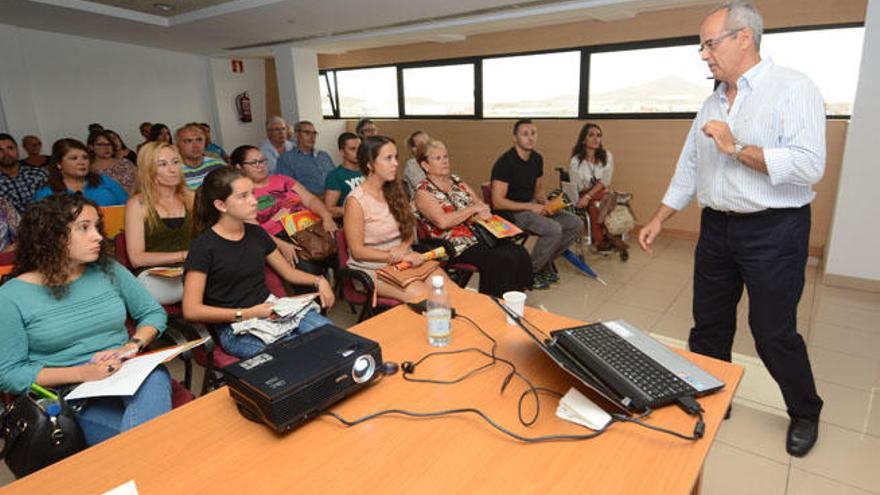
(69,172)
(64,316)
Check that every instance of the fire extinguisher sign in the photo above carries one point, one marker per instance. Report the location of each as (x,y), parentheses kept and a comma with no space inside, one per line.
(238,66)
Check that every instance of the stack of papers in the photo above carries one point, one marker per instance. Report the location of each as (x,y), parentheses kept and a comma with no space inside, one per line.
(290,311)
(577,408)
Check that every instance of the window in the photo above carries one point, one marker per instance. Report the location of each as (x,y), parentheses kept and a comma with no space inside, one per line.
(440,90)
(327,84)
(544,85)
(367,92)
(670,79)
(830,57)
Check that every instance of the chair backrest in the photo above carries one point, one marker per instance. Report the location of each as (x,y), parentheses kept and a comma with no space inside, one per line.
(122,251)
(341,248)
(274,283)
(486,188)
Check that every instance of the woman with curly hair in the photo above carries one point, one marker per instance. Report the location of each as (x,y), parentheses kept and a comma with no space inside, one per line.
(379,224)
(69,171)
(64,316)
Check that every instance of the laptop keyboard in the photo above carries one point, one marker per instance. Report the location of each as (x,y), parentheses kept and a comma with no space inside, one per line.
(623,367)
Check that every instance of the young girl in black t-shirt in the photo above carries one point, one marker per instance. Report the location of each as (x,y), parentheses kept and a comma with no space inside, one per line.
(225,267)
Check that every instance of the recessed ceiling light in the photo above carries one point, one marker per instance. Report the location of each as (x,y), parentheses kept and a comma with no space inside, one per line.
(164,7)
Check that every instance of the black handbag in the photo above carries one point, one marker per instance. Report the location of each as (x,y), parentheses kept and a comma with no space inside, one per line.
(483,235)
(37,434)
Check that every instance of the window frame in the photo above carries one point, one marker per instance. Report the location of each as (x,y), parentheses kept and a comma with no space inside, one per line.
(583,110)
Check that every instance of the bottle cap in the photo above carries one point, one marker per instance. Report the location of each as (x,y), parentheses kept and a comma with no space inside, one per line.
(437,281)
(54,409)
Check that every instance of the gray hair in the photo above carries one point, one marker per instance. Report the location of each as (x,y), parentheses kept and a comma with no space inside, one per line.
(742,14)
(275,119)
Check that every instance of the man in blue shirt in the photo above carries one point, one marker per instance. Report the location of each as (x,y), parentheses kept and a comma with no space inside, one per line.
(18,182)
(304,163)
(755,150)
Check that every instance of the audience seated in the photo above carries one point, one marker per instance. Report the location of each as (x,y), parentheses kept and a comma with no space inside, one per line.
(69,172)
(64,316)
(591,169)
(518,194)
(33,146)
(196,165)
(413,175)
(160,132)
(102,152)
(144,129)
(9,221)
(158,220)
(276,143)
(345,176)
(446,206)
(122,150)
(379,224)
(309,166)
(95,127)
(211,148)
(277,196)
(366,128)
(18,183)
(225,268)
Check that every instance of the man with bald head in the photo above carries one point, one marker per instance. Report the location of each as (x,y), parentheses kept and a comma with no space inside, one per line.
(276,143)
(754,152)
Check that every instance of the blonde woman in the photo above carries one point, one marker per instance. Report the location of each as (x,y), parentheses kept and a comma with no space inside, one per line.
(158,219)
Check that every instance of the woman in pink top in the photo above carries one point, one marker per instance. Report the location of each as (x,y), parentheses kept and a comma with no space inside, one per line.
(378,221)
(277,196)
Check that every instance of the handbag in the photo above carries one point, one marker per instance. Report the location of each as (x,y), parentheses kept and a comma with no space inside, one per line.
(37,433)
(483,235)
(316,242)
(619,220)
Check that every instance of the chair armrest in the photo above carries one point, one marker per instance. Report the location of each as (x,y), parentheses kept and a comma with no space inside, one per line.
(360,276)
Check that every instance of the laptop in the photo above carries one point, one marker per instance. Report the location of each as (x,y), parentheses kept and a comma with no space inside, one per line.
(622,364)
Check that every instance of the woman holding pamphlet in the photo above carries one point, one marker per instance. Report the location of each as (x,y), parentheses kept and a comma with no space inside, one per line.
(158,222)
(281,201)
(224,281)
(64,316)
(449,209)
(379,224)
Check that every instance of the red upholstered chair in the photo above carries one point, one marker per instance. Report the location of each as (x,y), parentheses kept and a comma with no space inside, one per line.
(356,286)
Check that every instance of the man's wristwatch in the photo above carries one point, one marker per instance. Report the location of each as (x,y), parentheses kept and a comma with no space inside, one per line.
(737,149)
(238,315)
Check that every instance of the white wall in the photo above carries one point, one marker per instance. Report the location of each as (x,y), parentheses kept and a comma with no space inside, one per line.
(227,85)
(854,247)
(54,85)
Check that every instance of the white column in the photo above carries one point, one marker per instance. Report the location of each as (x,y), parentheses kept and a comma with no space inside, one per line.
(300,96)
(854,245)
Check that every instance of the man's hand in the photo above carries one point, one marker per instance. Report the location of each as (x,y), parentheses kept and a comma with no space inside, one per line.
(648,234)
(720,133)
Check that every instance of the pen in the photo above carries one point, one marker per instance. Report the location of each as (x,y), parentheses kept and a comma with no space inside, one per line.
(48,394)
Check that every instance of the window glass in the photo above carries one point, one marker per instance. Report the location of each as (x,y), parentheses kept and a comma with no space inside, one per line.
(543,85)
(367,92)
(442,90)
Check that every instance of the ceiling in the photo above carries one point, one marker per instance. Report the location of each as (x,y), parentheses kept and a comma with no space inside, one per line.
(252,27)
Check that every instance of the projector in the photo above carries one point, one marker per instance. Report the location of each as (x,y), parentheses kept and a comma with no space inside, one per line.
(291,382)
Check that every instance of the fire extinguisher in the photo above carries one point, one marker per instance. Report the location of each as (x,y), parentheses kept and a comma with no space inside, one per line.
(243,106)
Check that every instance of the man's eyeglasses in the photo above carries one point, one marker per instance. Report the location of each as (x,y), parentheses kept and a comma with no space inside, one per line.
(308,133)
(712,43)
(256,163)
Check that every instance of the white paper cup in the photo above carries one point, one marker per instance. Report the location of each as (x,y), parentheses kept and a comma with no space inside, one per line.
(516,301)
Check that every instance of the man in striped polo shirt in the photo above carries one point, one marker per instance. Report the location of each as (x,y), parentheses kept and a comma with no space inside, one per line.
(754,151)
(191,141)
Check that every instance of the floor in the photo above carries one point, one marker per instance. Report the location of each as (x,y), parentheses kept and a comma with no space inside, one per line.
(840,328)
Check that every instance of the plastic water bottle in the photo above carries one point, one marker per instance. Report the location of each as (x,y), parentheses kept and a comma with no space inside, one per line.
(439,314)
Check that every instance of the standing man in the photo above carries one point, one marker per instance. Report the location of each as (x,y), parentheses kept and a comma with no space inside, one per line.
(276,143)
(518,194)
(304,163)
(345,177)
(196,165)
(752,155)
(18,182)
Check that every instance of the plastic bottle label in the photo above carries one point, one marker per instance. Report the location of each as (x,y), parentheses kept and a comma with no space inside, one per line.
(438,324)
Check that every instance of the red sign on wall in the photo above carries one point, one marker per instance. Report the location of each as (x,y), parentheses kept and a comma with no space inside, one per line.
(238,66)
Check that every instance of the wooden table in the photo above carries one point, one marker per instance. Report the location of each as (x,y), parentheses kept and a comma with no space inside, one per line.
(206,447)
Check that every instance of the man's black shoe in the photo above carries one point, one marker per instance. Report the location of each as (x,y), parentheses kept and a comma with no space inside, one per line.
(802,435)
(727,414)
